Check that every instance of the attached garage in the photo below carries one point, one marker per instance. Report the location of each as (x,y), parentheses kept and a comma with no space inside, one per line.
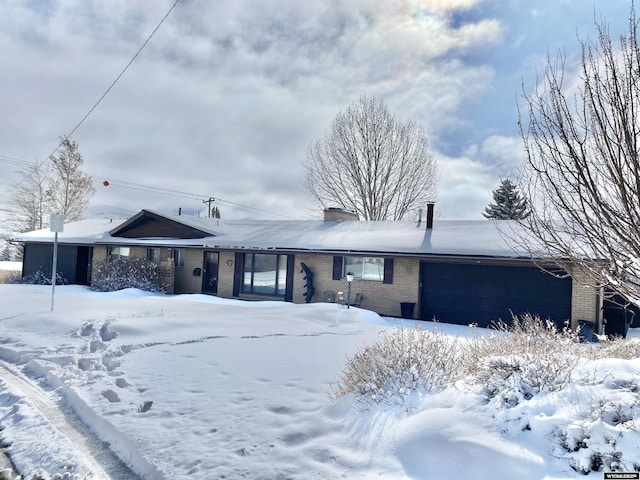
(481,294)
(73,262)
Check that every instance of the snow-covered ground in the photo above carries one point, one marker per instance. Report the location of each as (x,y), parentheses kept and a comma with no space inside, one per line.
(11,266)
(197,387)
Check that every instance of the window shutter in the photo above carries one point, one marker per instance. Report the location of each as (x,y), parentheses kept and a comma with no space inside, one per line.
(337,267)
(288,293)
(388,270)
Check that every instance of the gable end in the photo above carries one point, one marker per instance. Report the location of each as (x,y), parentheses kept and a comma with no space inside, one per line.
(150,225)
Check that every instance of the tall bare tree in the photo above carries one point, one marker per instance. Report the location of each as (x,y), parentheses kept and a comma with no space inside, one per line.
(70,189)
(56,186)
(29,198)
(583,165)
(371,163)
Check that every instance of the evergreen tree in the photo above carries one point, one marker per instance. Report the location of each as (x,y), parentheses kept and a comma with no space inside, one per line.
(508,203)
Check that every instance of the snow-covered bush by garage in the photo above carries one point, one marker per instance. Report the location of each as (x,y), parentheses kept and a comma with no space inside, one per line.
(38,278)
(117,273)
(513,363)
(523,358)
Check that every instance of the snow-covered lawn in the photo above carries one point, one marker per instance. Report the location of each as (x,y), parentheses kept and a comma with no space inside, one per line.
(197,387)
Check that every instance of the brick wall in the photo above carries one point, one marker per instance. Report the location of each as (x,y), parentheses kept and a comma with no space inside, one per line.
(225,274)
(586,301)
(185,280)
(166,271)
(99,254)
(379,297)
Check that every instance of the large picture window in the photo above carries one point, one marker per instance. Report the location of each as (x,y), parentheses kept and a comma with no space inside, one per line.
(265,274)
(364,268)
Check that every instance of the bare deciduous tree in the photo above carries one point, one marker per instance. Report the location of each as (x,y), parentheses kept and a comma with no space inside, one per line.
(583,165)
(29,198)
(371,163)
(70,189)
(57,186)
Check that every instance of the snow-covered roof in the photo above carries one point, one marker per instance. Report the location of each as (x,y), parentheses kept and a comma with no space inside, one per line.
(468,237)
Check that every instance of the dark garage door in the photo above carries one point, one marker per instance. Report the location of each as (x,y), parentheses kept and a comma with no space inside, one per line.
(481,294)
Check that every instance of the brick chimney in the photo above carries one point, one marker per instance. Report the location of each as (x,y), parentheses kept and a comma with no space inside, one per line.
(333,214)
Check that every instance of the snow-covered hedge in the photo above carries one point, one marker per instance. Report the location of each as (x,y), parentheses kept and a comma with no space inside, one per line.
(512,363)
(38,278)
(400,363)
(117,273)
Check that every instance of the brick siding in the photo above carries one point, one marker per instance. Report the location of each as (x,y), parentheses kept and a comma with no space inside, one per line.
(586,301)
(378,296)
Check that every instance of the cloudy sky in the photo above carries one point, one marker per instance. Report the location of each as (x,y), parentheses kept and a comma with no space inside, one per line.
(227,95)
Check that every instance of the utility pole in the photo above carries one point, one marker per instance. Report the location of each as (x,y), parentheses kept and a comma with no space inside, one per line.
(209,202)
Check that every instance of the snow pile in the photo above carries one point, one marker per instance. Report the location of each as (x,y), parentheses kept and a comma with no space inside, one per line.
(191,386)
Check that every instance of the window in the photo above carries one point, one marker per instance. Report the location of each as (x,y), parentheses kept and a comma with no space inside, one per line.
(153,255)
(178,257)
(265,274)
(115,252)
(364,268)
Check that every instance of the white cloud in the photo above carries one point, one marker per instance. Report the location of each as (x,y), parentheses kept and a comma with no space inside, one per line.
(464,189)
(227,95)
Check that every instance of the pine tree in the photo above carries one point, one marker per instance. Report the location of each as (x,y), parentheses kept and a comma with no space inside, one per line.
(508,203)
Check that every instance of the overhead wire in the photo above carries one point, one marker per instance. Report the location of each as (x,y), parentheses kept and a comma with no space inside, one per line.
(188,195)
(131,185)
(122,72)
(148,188)
(69,135)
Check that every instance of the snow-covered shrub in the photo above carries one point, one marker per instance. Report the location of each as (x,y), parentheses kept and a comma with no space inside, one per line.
(116,273)
(599,440)
(38,278)
(400,363)
(507,378)
(626,348)
(523,358)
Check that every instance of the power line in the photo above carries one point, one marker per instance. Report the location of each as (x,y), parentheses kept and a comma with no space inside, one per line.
(190,196)
(123,184)
(15,161)
(110,86)
(153,189)
(121,73)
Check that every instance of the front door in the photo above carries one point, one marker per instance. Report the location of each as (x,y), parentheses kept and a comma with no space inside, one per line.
(210,276)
